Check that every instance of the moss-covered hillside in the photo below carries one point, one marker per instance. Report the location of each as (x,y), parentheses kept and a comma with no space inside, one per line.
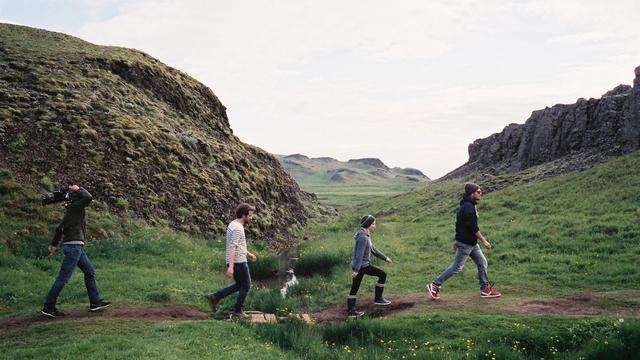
(146,139)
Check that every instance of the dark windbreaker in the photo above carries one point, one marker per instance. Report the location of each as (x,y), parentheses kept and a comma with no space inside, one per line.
(467,222)
(72,227)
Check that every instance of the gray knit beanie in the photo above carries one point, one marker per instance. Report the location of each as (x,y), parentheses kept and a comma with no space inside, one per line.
(367,220)
(470,188)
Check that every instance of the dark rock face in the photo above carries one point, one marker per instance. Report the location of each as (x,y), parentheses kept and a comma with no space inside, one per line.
(584,133)
(145,139)
(369,161)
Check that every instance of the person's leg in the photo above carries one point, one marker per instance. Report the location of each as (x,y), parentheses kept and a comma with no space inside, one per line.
(351,299)
(481,262)
(486,288)
(89,277)
(382,278)
(71,256)
(244,281)
(462,254)
(222,293)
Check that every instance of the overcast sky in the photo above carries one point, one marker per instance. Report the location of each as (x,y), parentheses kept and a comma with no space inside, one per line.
(409,82)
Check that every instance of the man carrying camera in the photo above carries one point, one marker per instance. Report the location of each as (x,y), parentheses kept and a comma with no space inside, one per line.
(71,231)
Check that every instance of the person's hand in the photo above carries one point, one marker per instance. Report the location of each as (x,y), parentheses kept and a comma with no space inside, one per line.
(486,244)
(230,272)
(455,247)
(52,249)
(252,257)
(389,260)
(354,274)
(74,188)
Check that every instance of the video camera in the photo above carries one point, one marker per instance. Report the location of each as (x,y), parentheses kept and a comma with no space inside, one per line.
(57,196)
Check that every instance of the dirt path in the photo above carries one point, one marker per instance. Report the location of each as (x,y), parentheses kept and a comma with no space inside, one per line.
(626,303)
(112,312)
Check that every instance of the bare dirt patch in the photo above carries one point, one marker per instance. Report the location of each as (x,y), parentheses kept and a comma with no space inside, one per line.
(616,303)
(623,303)
(175,313)
(399,305)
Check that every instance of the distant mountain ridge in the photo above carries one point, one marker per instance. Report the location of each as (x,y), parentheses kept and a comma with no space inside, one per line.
(570,137)
(365,171)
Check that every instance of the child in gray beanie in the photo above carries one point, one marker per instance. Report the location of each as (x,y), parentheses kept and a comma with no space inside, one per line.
(361,265)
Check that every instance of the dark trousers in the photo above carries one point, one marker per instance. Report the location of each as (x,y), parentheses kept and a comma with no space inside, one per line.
(367,270)
(242,284)
(73,255)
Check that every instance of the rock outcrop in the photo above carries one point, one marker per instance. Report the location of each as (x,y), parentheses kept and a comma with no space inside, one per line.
(373,162)
(575,136)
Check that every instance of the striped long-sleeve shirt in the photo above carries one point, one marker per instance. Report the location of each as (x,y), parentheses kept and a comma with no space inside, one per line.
(237,242)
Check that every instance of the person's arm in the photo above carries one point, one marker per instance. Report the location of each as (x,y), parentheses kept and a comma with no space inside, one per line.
(251,256)
(233,248)
(361,241)
(377,253)
(56,238)
(232,256)
(84,198)
(472,224)
(484,241)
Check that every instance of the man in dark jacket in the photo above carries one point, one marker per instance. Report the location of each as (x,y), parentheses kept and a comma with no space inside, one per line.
(71,230)
(466,245)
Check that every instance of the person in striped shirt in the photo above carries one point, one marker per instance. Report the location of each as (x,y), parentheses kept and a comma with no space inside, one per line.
(236,258)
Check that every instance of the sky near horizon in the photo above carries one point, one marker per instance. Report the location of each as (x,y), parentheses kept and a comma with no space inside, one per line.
(410,82)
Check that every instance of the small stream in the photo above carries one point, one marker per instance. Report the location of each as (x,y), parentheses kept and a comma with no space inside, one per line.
(286,276)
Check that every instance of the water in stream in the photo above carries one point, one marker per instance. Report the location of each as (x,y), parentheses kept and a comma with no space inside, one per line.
(286,276)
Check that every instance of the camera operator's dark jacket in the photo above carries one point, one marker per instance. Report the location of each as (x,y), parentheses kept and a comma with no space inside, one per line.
(72,227)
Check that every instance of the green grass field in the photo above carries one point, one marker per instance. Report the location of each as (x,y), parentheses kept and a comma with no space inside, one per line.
(573,234)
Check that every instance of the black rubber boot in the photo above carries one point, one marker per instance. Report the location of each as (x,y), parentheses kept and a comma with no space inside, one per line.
(351,308)
(379,300)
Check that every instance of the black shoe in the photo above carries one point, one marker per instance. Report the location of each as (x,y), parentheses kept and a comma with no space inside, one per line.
(355,313)
(213,302)
(382,301)
(52,312)
(99,305)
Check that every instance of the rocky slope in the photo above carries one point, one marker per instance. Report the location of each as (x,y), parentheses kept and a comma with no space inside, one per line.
(146,139)
(570,137)
(366,171)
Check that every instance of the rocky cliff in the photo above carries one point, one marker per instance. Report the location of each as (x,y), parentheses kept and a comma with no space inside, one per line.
(571,136)
(146,139)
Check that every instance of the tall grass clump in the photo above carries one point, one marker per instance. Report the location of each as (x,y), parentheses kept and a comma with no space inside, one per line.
(320,263)
(265,267)
(295,336)
(268,301)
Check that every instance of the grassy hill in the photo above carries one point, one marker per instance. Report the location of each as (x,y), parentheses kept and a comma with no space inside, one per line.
(147,140)
(572,234)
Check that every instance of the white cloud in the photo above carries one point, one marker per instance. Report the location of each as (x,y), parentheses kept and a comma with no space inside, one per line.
(411,82)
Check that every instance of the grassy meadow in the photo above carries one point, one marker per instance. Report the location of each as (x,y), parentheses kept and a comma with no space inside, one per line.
(572,234)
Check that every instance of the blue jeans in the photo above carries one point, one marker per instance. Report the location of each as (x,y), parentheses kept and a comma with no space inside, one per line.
(463,252)
(242,284)
(73,255)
